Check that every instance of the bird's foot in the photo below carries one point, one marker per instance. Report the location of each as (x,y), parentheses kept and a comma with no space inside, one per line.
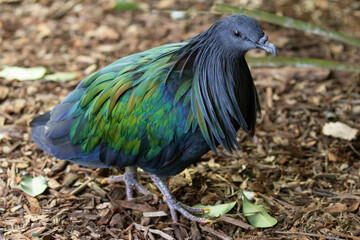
(131,182)
(174,205)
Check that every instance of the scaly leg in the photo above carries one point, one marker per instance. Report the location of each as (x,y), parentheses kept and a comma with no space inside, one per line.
(131,181)
(174,205)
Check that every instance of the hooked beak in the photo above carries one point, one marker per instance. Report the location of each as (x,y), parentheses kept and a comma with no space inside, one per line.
(265,45)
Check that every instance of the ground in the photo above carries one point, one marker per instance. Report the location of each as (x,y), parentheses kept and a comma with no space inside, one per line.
(308,181)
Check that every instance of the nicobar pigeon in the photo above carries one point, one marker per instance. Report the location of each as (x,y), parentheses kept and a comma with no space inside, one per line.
(160,109)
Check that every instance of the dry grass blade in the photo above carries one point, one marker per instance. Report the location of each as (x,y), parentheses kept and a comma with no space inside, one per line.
(154,231)
(235,222)
(308,235)
(155,214)
(81,187)
(218,234)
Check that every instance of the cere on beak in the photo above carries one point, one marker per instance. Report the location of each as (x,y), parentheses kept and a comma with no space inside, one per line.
(263,44)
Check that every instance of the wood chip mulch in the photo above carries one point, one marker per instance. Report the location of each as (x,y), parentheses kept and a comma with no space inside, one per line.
(308,181)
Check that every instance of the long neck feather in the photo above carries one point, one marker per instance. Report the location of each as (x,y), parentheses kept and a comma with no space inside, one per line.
(223,95)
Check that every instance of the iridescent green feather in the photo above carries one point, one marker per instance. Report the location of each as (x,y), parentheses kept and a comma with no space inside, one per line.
(123,106)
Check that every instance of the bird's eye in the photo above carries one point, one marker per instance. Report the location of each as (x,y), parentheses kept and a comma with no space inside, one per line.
(237,33)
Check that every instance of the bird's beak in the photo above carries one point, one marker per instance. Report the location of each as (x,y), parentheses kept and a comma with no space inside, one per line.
(265,45)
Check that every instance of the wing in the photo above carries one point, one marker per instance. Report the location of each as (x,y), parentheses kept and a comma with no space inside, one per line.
(121,114)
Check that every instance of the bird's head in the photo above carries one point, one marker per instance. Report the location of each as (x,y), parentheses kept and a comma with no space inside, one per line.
(236,34)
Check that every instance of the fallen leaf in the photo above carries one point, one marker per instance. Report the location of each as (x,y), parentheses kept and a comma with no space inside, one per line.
(332,157)
(35,207)
(175,15)
(33,186)
(22,74)
(61,77)
(217,210)
(257,215)
(339,130)
(125,6)
(336,208)
(249,195)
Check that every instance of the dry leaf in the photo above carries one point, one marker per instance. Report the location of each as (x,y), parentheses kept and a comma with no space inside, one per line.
(337,208)
(339,130)
(35,207)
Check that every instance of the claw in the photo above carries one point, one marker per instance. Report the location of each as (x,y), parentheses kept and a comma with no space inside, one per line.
(131,181)
(174,205)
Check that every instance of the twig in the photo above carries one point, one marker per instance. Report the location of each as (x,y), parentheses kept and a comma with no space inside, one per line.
(121,209)
(355,151)
(155,214)
(127,229)
(308,235)
(327,193)
(111,233)
(154,231)
(215,233)
(345,196)
(97,189)
(344,235)
(235,222)
(81,187)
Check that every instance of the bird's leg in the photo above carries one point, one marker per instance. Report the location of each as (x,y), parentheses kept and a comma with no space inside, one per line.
(174,205)
(131,181)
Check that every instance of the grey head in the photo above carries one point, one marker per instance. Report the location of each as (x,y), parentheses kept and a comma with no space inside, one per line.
(236,34)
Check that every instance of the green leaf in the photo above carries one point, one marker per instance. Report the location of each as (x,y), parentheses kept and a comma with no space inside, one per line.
(60,77)
(33,186)
(217,210)
(257,215)
(125,6)
(22,74)
(279,61)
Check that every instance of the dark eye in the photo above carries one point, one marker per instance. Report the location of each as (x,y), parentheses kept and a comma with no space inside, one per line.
(237,33)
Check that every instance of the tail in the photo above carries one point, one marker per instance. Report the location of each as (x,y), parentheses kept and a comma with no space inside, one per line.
(52,137)
(38,132)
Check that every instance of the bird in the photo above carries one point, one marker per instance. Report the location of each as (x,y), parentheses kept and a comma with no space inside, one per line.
(161,109)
